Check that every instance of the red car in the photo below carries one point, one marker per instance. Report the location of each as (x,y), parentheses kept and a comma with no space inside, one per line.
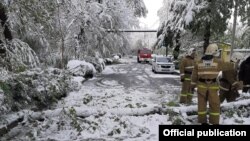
(144,54)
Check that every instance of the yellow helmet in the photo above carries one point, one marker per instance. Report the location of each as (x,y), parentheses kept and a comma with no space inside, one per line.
(236,56)
(212,49)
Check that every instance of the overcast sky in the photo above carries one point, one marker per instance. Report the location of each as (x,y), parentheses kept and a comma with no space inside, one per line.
(152,20)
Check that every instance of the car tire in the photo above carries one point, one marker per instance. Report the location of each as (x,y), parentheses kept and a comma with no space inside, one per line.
(155,71)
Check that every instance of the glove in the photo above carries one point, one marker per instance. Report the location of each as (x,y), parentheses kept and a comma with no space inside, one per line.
(236,85)
(240,85)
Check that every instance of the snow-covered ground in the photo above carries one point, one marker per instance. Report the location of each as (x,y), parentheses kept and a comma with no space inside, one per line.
(126,102)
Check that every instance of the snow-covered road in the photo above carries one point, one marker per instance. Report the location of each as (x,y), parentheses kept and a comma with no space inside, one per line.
(129,85)
(125,102)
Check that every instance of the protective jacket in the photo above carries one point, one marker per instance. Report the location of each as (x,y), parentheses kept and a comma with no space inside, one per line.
(244,74)
(186,68)
(229,85)
(204,77)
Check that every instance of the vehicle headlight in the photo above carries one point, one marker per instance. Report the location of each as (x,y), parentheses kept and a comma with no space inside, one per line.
(158,66)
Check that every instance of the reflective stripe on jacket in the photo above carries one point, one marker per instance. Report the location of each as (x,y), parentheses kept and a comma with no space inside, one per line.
(209,69)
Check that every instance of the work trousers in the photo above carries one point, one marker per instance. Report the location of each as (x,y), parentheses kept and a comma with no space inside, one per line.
(186,92)
(208,93)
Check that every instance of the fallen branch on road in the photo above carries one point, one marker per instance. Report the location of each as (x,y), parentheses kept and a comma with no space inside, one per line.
(10,122)
(84,112)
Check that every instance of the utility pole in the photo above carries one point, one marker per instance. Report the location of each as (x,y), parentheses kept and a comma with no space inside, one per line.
(234,25)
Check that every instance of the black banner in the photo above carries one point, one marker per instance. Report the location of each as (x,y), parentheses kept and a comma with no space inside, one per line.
(200,132)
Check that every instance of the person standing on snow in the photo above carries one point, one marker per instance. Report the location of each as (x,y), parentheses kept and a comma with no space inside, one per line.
(204,76)
(229,84)
(244,74)
(186,68)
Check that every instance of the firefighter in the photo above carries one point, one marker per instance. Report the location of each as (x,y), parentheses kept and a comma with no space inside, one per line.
(244,74)
(186,67)
(204,76)
(229,84)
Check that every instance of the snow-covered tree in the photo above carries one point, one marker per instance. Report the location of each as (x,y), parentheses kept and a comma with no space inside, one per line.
(242,36)
(244,11)
(203,18)
(175,16)
(4,23)
(245,38)
(59,29)
(211,20)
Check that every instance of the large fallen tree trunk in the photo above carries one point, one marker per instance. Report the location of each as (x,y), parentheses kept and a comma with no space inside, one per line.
(22,116)
(6,125)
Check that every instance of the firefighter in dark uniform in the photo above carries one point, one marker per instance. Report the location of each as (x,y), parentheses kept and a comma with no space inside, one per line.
(204,76)
(229,84)
(244,74)
(186,67)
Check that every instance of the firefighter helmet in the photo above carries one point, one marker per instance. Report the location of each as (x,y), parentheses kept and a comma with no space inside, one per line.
(212,49)
(236,56)
(190,51)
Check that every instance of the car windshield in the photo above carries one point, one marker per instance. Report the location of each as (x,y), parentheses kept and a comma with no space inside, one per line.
(146,51)
(163,59)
